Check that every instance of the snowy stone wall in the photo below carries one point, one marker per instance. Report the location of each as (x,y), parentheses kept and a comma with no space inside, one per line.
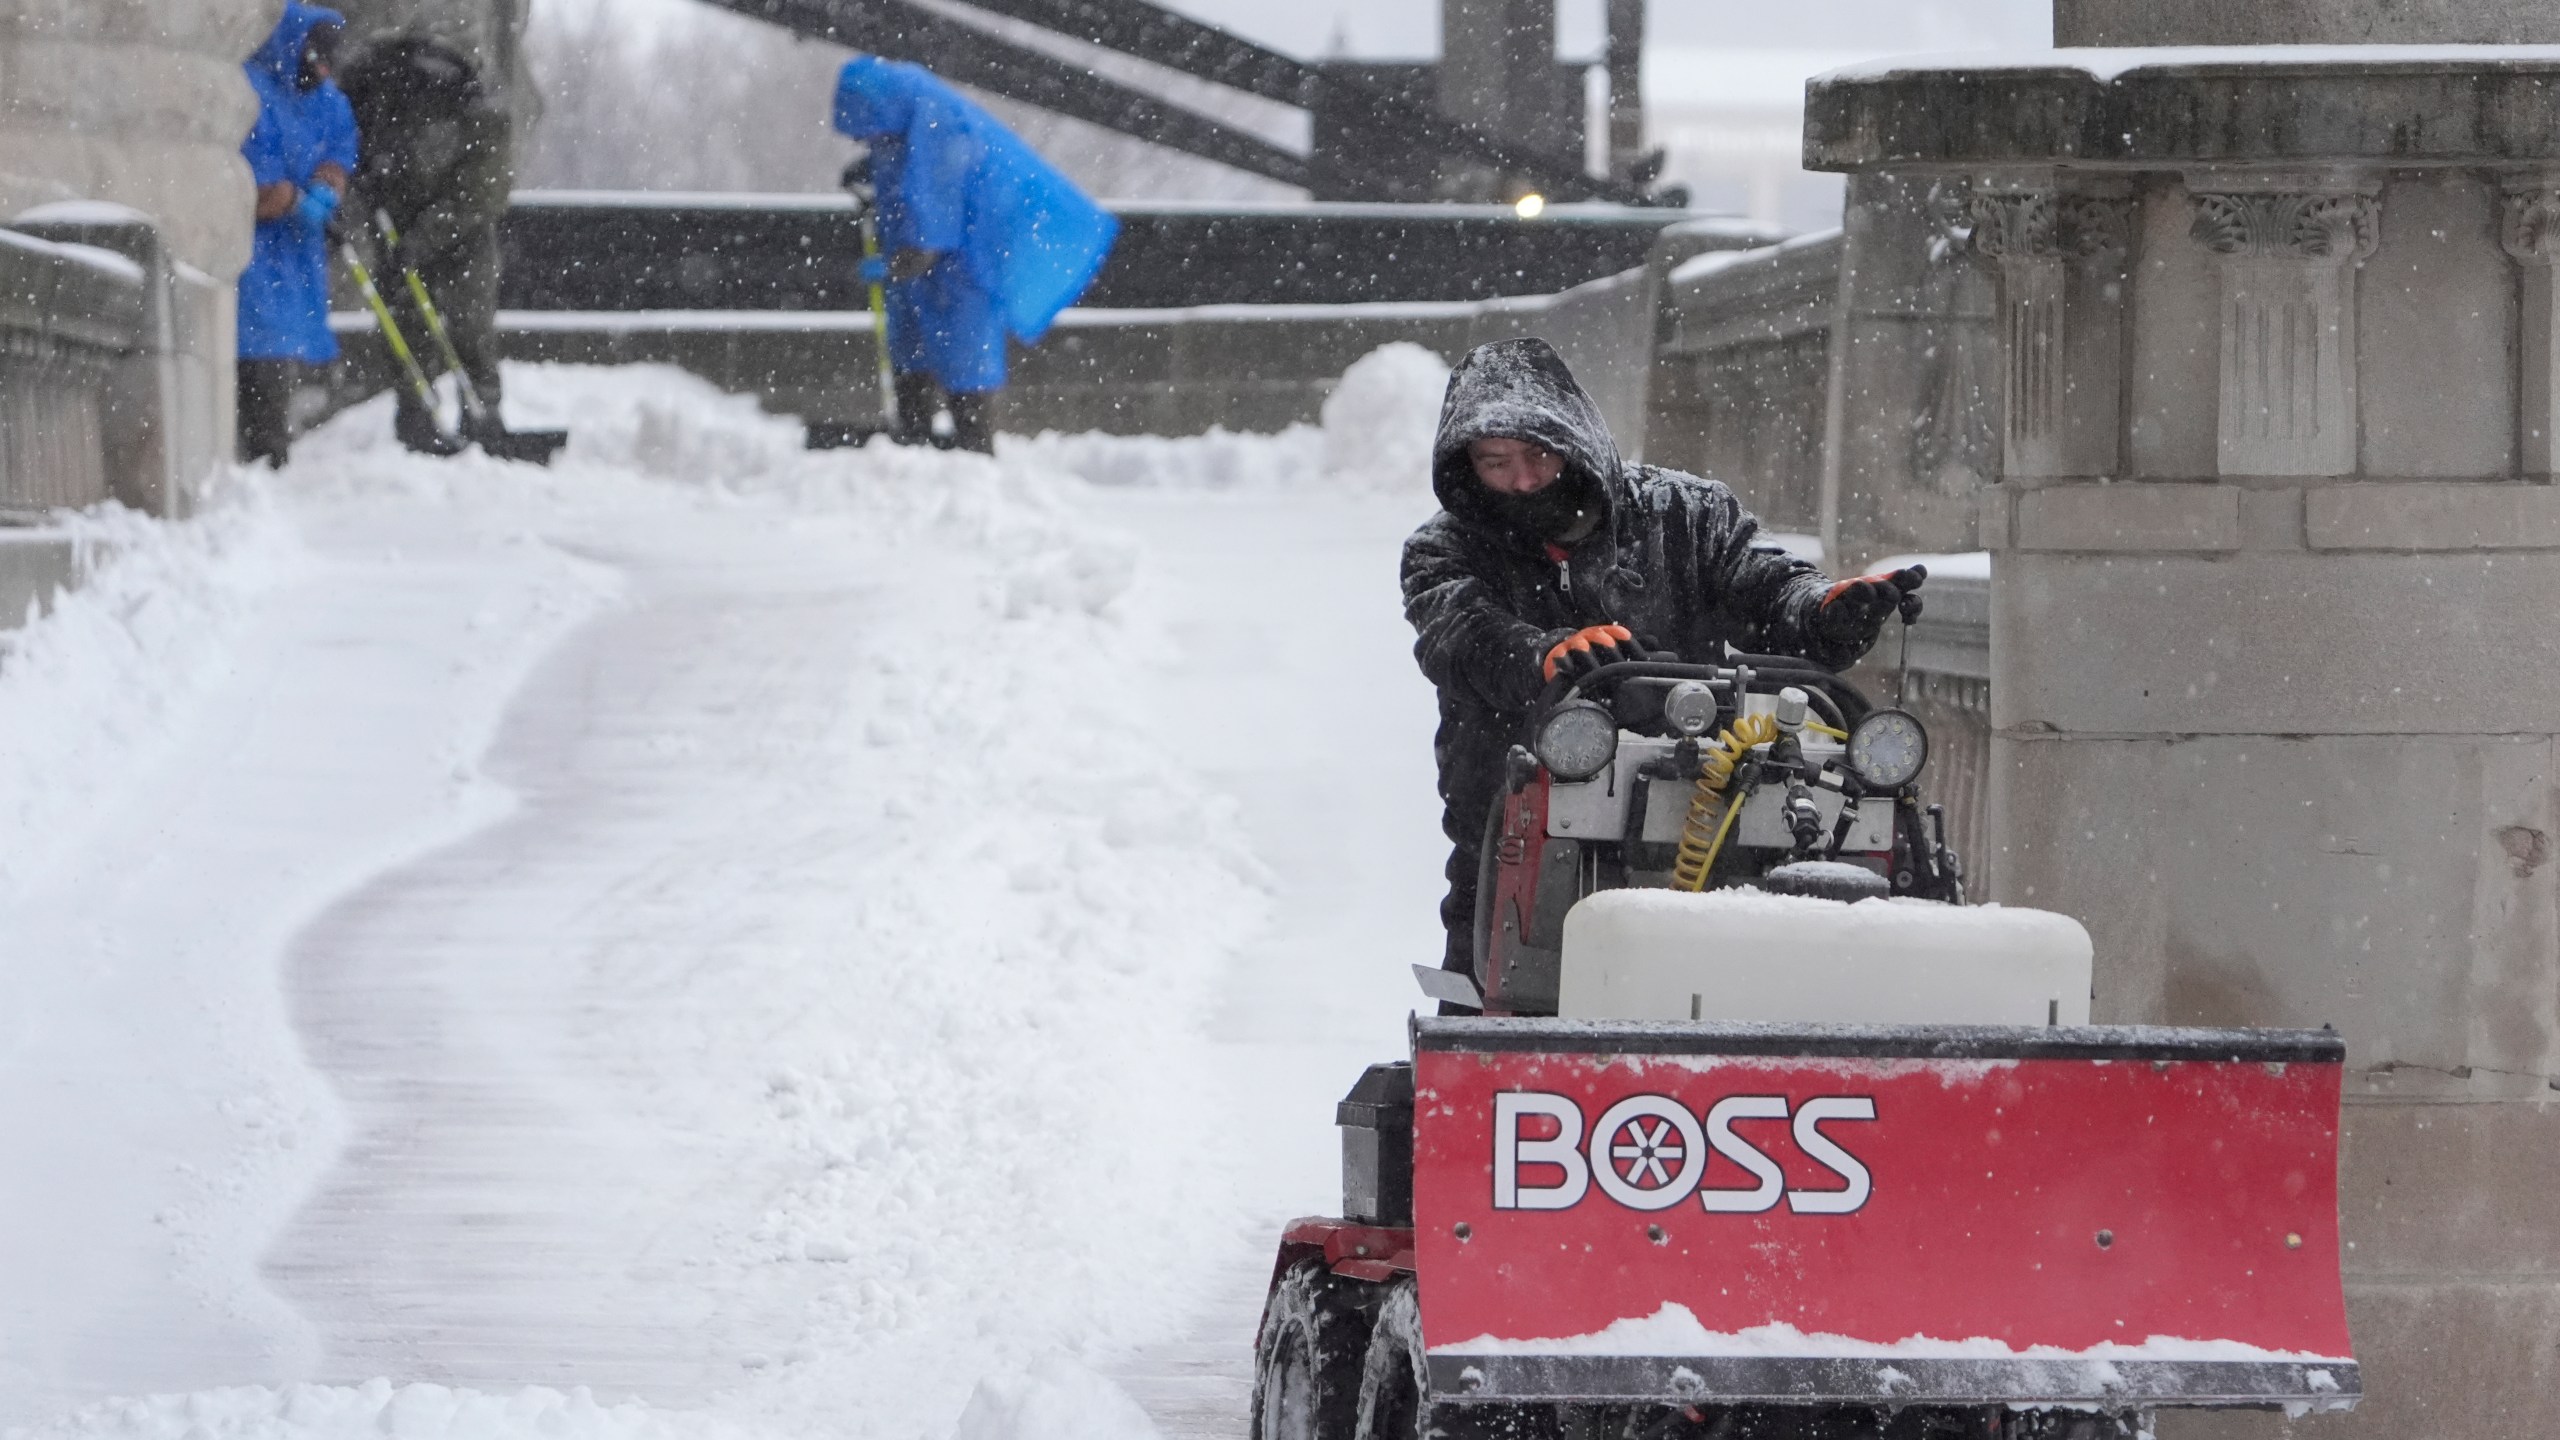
(2274,537)
(120,130)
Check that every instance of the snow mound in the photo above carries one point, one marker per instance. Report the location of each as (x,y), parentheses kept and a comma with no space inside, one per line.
(1375,440)
(1056,1400)
(375,1410)
(1379,422)
(91,692)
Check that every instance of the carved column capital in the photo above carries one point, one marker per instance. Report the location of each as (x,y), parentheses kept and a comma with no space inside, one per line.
(2047,225)
(2530,230)
(2288,225)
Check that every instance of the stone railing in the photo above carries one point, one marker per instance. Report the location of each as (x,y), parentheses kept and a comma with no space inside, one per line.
(69,318)
(1742,366)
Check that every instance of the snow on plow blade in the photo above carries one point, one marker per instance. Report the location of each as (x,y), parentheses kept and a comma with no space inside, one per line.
(2119,1217)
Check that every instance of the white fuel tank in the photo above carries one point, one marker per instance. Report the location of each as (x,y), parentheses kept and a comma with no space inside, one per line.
(1751,955)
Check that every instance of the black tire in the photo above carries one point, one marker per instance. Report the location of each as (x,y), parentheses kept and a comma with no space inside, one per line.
(1306,1371)
(1393,1387)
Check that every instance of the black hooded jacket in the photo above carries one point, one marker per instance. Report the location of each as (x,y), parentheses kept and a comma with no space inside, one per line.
(1673,559)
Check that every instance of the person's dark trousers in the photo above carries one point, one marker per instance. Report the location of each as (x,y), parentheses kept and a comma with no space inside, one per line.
(266,396)
(973,423)
(1464,825)
(463,283)
(918,401)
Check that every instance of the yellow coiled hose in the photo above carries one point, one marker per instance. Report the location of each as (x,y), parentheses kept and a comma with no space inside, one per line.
(1710,816)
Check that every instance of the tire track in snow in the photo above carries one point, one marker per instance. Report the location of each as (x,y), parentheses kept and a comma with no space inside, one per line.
(508,1212)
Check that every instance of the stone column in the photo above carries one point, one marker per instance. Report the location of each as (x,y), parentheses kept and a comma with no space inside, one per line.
(2061,262)
(2276,691)
(2530,234)
(1912,420)
(2288,258)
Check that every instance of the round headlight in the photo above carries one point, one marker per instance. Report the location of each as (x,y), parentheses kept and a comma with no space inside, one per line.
(1887,749)
(1577,741)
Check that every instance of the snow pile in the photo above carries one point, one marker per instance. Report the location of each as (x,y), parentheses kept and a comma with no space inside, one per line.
(1379,423)
(1218,460)
(1056,1400)
(943,983)
(92,692)
(883,927)
(1375,439)
(374,1411)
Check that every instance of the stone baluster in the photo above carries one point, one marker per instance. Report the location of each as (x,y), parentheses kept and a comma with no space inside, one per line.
(2288,353)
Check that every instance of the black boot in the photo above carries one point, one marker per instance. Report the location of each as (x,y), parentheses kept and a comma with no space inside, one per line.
(265,390)
(414,426)
(918,399)
(973,423)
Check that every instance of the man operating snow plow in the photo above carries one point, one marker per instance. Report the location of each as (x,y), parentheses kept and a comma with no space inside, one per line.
(1741,1123)
(1733,1162)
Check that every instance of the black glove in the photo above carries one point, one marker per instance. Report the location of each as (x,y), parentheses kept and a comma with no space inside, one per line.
(1853,611)
(1589,648)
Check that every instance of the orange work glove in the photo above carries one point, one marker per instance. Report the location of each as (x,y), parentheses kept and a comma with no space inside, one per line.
(1854,610)
(1591,647)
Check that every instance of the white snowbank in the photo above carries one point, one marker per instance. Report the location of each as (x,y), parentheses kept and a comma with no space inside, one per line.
(913,1033)
(1379,423)
(1057,1399)
(1375,439)
(91,693)
(1675,1330)
(376,1410)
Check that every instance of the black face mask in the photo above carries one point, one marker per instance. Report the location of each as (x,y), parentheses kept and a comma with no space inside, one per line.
(1554,512)
(319,52)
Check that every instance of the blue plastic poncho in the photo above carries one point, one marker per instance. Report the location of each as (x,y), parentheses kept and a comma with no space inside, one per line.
(1022,242)
(284,294)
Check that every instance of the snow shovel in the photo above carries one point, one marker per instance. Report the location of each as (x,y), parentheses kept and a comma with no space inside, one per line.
(825,435)
(479,422)
(446,442)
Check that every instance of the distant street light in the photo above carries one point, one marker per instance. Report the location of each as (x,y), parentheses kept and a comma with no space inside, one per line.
(1531,205)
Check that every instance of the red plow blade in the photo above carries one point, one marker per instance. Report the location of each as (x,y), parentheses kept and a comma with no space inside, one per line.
(2118,1217)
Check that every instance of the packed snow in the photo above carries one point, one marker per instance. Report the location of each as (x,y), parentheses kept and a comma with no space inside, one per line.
(708,939)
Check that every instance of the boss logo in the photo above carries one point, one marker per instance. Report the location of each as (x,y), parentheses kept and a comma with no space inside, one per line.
(1650,1152)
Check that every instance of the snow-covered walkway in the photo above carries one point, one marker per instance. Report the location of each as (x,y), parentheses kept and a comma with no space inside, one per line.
(791,940)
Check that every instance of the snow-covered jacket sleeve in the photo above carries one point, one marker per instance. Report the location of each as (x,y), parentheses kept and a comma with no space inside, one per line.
(1770,594)
(1464,634)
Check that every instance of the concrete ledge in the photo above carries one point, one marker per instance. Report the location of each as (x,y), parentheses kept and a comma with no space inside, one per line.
(2421,516)
(2129,516)
(2179,108)
(35,565)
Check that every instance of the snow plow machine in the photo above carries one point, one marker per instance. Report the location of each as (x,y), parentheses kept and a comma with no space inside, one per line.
(1758,1130)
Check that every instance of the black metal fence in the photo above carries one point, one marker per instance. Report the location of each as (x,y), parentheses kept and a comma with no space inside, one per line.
(615,251)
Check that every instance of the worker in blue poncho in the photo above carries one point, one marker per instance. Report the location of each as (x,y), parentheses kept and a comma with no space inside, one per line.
(983,240)
(300,153)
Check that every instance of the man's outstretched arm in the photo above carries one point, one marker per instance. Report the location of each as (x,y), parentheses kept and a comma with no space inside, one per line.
(1788,606)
